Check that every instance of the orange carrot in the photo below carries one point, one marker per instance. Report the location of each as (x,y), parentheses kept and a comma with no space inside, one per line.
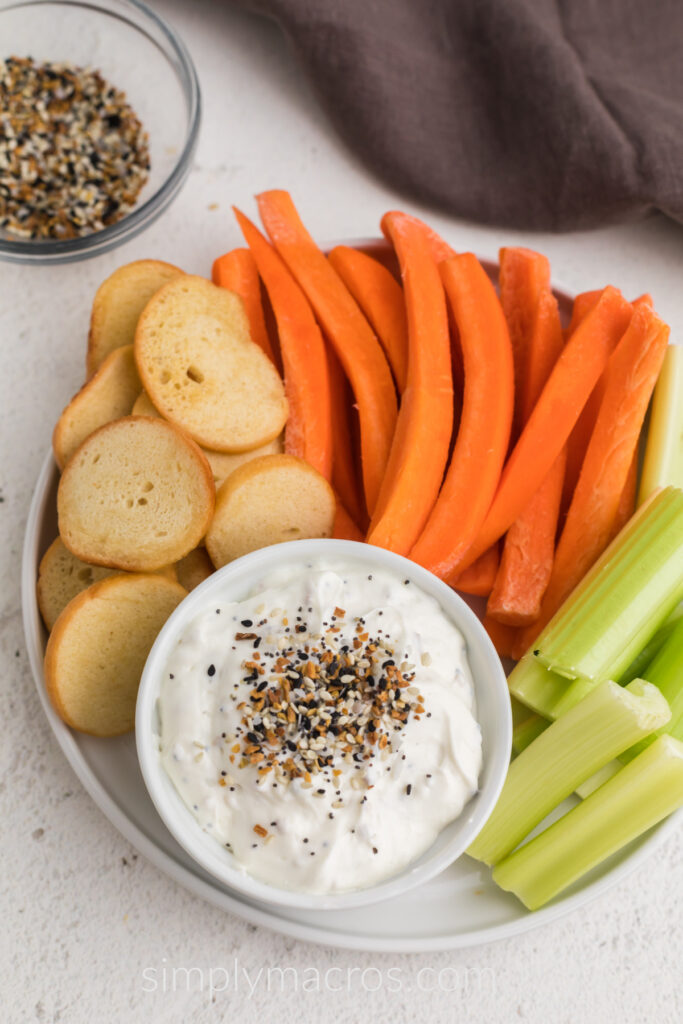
(425,421)
(528,552)
(478,578)
(439,249)
(237,272)
(484,431)
(583,303)
(502,637)
(581,434)
(573,378)
(583,428)
(544,346)
(380,296)
(529,547)
(344,526)
(631,376)
(346,329)
(344,477)
(627,501)
(308,433)
(524,275)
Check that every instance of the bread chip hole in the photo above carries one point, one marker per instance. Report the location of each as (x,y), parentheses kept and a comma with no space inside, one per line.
(129,503)
(142,501)
(194,374)
(149,486)
(165,377)
(292,531)
(96,459)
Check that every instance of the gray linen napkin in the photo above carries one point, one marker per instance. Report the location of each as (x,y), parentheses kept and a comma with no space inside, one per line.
(536,114)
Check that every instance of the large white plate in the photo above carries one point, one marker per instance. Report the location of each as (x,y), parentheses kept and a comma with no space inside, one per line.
(461,907)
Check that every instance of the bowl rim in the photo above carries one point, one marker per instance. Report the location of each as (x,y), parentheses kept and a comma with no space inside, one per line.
(44,251)
(204,850)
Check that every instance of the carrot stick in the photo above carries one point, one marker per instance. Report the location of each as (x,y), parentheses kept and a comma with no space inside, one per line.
(573,378)
(627,501)
(502,637)
(583,303)
(308,433)
(583,428)
(380,296)
(529,547)
(346,329)
(425,421)
(581,434)
(237,272)
(344,527)
(484,431)
(544,346)
(478,578)
(344,477)
(528,552)
(630,379)
(524,276)
(439,249)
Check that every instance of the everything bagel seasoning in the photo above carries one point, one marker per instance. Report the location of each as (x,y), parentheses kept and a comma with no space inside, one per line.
(73,154)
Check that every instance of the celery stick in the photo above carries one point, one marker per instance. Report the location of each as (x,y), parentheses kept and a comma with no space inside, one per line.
(630,591)
(519,712)
(666,673)
(608,721)
(535,686)
(526,732)
(607,771)
(663,462)
(644,658)
(638,797)
(613,613)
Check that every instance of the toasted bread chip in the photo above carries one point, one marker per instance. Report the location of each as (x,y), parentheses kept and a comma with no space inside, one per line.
(203,372)
(269,500)
(118,303)
(61,576)
(107,396)
(137,495)
(224,463)
(98,648)
(143,407)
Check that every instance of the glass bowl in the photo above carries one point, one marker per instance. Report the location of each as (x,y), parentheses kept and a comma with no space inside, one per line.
(137,52)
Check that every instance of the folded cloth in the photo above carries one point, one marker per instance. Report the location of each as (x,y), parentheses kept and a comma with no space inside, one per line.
(536,114)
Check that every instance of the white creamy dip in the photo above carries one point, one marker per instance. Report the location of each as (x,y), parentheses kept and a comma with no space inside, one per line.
(323,730)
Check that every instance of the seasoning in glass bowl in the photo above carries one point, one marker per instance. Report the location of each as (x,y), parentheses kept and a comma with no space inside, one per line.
(73,153)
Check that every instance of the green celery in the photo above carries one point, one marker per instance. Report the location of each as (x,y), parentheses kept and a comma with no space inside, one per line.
(608,721)
(526,732)
(598,779)
(535,686)
(666,673)
(641,661)
(663,462)
(612,614)
(639,796)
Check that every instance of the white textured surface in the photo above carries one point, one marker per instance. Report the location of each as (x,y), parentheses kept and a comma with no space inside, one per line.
(82,914)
